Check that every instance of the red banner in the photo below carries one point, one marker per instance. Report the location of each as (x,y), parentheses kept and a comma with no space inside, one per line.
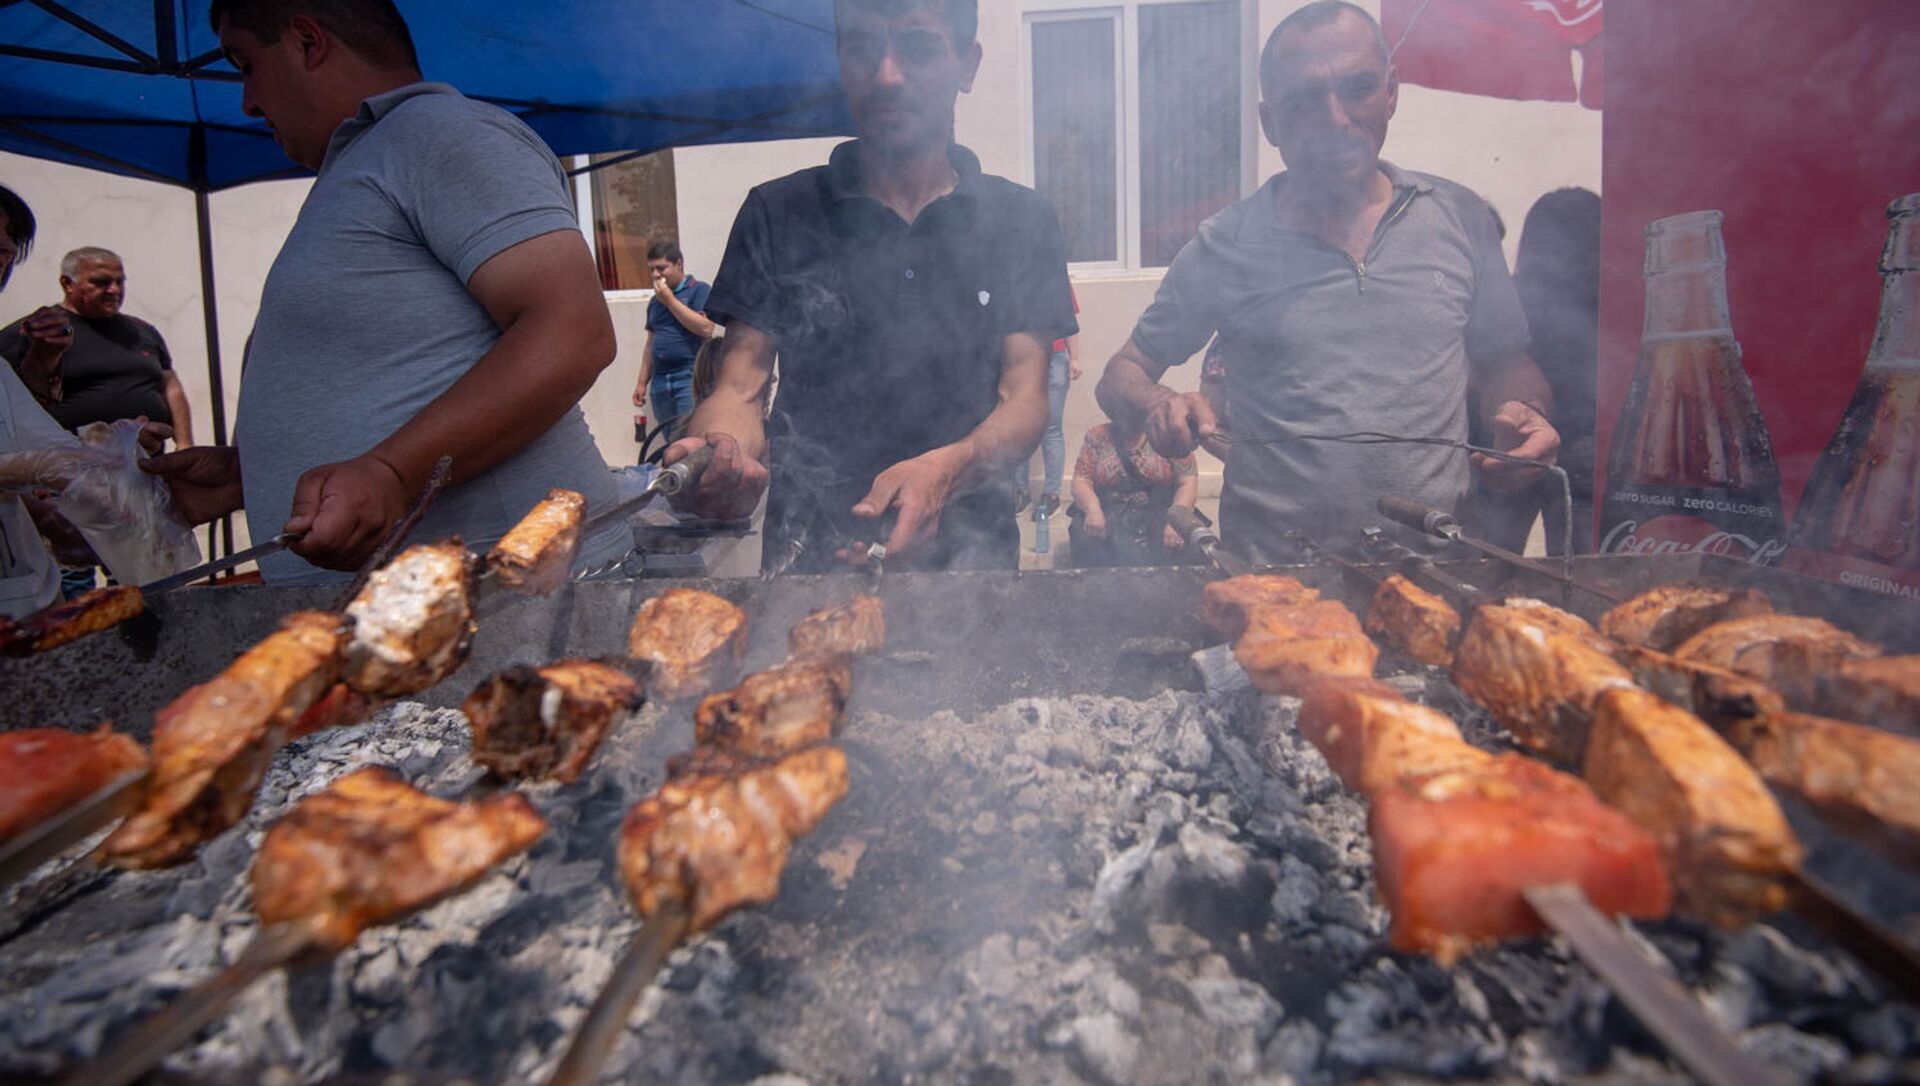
(1498,48)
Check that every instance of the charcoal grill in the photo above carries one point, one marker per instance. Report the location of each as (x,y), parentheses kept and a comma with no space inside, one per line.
(1060,861)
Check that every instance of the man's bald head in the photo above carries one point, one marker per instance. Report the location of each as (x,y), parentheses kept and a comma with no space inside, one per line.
(1312,17)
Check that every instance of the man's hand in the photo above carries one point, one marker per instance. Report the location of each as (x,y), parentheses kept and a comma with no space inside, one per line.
(731,486)
(204,480)
(1171,538)
(49,331)
(660,286)
(640,394)
(1178,421)
(153,435)
(1095,524)
(342,511)
(916,491)
(1518,430)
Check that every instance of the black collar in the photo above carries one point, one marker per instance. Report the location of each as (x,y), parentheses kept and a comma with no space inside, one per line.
(847,205)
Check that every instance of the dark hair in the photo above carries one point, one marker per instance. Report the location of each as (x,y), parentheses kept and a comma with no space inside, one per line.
(371,28)
(20,229)
(962,17)
(665,249)
(1312,17)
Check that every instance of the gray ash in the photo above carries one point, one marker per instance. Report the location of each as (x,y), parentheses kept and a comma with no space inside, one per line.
(1093,889)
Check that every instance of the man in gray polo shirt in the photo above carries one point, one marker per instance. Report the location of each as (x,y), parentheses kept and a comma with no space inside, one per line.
(435,297)
(1348,294)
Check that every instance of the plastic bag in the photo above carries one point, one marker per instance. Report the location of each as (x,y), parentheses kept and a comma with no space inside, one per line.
(125,514)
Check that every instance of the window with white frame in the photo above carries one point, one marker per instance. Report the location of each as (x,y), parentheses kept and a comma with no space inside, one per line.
(625,207)
(1141,117)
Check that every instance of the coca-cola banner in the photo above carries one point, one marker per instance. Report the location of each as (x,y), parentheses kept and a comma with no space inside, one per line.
(1759,384)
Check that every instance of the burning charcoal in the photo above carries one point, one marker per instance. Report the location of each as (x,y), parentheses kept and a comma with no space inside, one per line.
(1803,1055)
(1294,1049)
(1108,1048)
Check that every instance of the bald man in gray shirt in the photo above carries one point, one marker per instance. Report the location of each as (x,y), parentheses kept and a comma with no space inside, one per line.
(1348,294)
(435,297)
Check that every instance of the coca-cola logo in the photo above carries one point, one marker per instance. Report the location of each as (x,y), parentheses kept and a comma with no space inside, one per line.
(1567,12)
(1624,538)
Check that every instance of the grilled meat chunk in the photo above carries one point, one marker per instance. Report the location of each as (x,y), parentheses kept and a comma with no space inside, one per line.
(1787,652)
(1714,694)
(1538,674)
(858,628)
(212,744)
(340,707)
(1863,780)
(1661,618)
(1414,620)
(695,641)
(1283,648)
(1883,691)
(716,843)
(371,849)
(413,622)
(1724,837)
(546,722)
(1226,604)
(1453,852)
(1373,737)
(536,555)
(774,713)
(69,620)
(44,771)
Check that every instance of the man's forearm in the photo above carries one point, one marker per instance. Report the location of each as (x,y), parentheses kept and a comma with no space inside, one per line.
(734,412)
(181,412)
(1130,386)
(696,323)
(1516,378)
(40,372)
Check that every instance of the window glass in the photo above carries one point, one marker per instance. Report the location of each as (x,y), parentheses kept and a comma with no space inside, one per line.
(1075,150)
(1189,121)
(634,205)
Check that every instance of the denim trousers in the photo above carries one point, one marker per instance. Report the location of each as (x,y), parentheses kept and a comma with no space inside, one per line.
(1053,440)
(671,394)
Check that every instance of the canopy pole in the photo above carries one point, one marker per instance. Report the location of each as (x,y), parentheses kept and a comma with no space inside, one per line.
(210,312)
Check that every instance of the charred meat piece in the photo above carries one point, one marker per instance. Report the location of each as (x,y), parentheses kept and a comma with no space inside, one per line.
(546,722)
(212,744)
(1787,652)
(1226,604)
(1283,648)
(1883,691)
(1863,780)
(413,622)
(536,555)
(43,771)
(1414,620)
(716,843)
(1724,836)
(1373,737)
(371,849)
(856,629)
(340,707)
(55,625)
(1714,694)
(773,713)
(695,641)
(1661,618)
(1454,851)
(1537,674)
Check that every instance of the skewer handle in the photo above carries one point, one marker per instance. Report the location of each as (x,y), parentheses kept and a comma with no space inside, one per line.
(1421,518)
(631,975)
(1876,947)
(1656,999)
(151,1041)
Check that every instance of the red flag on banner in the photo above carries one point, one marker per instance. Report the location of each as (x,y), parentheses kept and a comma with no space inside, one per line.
(1499,48)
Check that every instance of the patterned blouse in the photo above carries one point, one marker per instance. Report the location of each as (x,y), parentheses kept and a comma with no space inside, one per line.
(1099,464)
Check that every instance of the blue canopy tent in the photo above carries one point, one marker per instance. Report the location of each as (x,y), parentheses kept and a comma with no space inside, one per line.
(140,89)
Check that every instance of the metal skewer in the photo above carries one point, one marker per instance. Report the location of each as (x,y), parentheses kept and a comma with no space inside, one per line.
(631,975)
(1656,1000)
(1197,530)
(154,1039)
(25,853)
(1440,525)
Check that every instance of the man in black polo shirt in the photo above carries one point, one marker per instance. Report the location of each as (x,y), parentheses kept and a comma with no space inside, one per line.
(910,300)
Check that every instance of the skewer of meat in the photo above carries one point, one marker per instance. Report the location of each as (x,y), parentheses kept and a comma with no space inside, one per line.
(1284,645)
(546,722)
(693,641)
(856,628)
(366,851)
(702,846)
(536,556)
(69,620)
(57,787)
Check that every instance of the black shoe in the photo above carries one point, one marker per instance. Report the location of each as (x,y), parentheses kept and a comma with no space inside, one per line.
(1021,500)
(1051,502)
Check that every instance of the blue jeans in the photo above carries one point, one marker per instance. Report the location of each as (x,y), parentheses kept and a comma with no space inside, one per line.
(1053,440)
(671,393)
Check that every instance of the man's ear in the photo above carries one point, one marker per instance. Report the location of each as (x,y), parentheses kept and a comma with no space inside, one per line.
(969,66)
(1393,91)
(316,45)
(66,283)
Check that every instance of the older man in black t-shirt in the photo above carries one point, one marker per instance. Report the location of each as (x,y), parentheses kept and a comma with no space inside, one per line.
(910,300)
(86,361)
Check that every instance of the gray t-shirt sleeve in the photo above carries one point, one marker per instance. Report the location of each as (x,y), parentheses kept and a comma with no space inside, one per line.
(1496,324)
(1187,308)
(475,190)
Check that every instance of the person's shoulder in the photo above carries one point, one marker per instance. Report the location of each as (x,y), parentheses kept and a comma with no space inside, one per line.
(143,328)
(1453,194)
(447,116)
(800,186)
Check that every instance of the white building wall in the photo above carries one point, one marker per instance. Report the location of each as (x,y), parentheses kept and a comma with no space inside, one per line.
(1510,152)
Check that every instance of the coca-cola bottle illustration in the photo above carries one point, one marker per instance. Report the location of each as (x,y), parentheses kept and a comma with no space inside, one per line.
(1691,465)
(1864,498)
